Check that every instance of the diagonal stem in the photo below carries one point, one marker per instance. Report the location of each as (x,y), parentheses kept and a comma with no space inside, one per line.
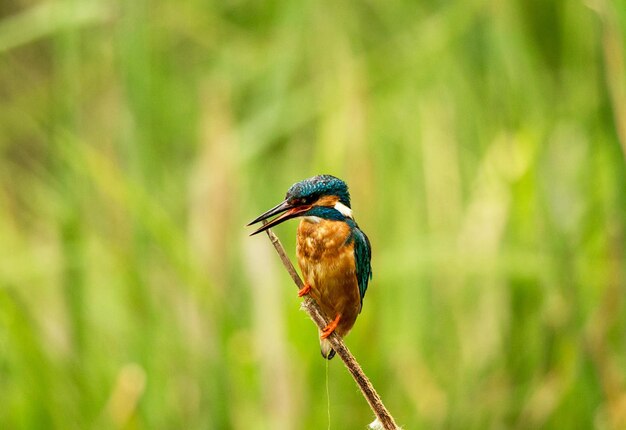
(313,310)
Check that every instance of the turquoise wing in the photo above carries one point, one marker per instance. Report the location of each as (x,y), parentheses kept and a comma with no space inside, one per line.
(362,256)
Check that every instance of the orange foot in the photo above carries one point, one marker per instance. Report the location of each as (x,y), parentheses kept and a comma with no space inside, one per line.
(330,327)
(305,290)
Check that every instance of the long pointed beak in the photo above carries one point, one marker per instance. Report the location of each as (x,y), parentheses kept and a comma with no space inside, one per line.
(288,211)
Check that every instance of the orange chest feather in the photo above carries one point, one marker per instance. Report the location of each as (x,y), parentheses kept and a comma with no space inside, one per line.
(322,248)
(326,259)
(322,239)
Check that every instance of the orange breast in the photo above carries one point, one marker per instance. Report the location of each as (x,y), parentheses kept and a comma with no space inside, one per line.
(328,266)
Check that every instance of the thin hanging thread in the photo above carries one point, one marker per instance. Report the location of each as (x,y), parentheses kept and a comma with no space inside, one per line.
(327,394)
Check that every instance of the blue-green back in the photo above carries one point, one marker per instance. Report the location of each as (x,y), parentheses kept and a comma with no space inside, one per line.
(362,256)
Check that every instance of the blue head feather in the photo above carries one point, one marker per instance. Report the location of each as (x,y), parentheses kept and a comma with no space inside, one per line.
(322,185)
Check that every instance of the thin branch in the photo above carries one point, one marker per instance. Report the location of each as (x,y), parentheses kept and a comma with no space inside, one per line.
(383,416)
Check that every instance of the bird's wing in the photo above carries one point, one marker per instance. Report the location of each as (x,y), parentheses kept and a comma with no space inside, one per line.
(362,255)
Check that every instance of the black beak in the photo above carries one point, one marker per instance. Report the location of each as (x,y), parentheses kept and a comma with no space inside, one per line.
(290,211)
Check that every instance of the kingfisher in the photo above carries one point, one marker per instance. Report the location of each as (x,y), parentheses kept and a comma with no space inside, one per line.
(333,252)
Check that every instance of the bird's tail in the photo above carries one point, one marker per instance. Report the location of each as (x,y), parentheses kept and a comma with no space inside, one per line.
(327,351)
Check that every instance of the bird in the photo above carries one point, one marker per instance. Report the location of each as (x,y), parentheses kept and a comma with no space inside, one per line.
(333,253)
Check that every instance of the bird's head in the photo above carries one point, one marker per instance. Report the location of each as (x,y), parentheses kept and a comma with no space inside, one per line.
(323,196)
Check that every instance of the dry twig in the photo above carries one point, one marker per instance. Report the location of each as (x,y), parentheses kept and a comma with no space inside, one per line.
(384,419)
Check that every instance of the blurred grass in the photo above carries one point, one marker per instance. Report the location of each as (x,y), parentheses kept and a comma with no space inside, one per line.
(484,143)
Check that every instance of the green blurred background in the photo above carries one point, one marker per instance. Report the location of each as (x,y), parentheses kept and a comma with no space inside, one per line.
(484,142)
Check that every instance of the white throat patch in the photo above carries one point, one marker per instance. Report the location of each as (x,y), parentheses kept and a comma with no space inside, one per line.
(345,210)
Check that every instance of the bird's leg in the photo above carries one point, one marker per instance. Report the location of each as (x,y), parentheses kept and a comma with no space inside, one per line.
(305,290)
(330,327)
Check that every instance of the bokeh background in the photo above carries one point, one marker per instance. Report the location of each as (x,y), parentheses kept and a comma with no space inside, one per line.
(484,142)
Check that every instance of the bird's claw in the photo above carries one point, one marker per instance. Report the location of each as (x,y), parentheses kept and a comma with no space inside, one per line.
(330,327)
(304,291)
